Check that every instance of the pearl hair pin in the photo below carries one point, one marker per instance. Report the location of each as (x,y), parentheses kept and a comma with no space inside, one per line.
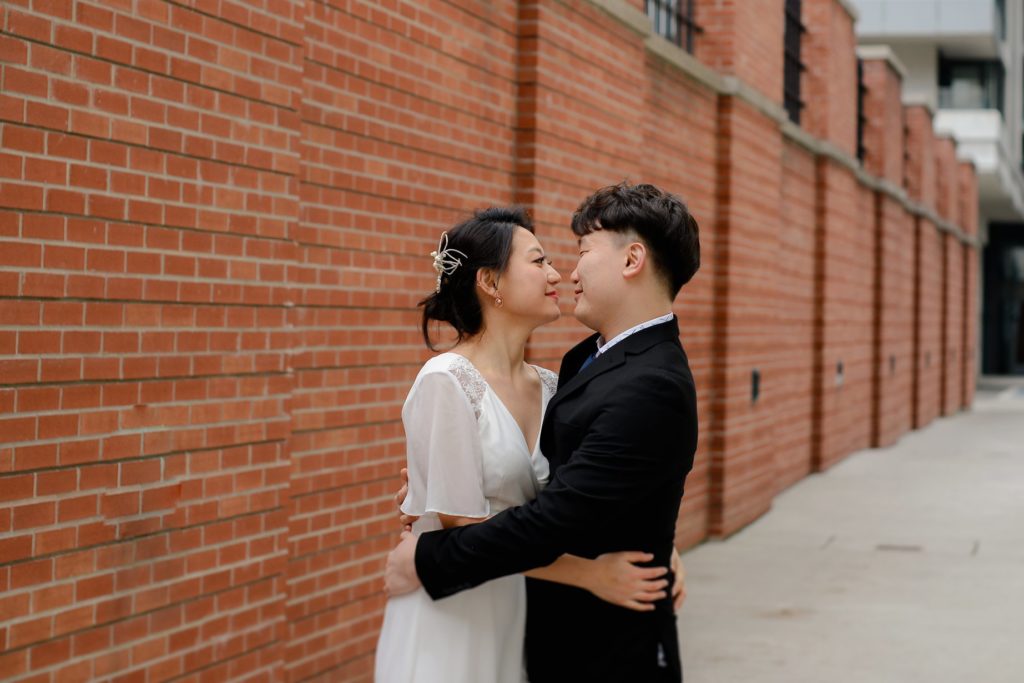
(446,260)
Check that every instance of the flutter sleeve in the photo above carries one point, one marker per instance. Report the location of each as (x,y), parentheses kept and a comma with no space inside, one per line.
(443,450)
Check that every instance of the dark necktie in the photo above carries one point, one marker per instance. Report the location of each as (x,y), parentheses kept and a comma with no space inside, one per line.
(589,359)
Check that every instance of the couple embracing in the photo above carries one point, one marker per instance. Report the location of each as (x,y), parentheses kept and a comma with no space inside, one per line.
(572,480)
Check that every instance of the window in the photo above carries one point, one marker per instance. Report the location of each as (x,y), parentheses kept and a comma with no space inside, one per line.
(861,118)
(1001,19)
(674,20)
(793,66)
(970,84)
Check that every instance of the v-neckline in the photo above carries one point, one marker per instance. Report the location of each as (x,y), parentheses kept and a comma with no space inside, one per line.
(522,435)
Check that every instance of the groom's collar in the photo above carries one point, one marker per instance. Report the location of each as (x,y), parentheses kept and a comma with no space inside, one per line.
(605,347)
(572,378)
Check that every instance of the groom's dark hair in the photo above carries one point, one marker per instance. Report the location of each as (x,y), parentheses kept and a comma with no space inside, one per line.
(660,219)
(485,240)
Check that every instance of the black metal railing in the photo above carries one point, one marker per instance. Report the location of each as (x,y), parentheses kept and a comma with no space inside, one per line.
(794,67)
(862,119)
(906,149)
(674,20)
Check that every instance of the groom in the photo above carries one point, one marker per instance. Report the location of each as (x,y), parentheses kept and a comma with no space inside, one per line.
(620,436)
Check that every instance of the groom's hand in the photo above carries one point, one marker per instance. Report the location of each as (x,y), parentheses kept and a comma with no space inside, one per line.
(400,572)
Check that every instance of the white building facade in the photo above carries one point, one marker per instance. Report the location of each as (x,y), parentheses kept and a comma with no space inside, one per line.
(965,59)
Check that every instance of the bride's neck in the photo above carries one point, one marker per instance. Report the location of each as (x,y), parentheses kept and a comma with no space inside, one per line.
(497,352)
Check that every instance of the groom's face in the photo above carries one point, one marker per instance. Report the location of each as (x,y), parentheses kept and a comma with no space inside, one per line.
(597,279)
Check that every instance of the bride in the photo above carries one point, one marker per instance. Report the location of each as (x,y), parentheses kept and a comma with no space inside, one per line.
(472,422)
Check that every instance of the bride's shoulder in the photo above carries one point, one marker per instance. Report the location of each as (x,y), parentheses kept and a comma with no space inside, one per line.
(549,378)
(462,371)
(449,363)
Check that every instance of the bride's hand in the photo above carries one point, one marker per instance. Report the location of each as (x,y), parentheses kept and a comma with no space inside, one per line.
(406,520)
(616,578)
(679,587)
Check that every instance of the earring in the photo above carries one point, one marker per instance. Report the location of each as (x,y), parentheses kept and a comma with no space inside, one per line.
(497,300)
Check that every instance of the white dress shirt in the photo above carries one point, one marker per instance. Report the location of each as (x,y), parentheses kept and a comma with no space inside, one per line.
(603,346)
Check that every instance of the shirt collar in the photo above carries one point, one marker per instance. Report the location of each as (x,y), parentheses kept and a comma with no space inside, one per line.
(603,347)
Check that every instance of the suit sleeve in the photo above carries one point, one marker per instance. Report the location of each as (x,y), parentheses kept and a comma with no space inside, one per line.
(633,444)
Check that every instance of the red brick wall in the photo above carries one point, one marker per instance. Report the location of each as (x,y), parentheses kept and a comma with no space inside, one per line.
(884,128)
(928,357)
(746,325)
(149,210)
(893,276)
(830,82)
(214,228)
(946,179)
(919,174)
(968,221)
(794,364)
(744,39)
(953,317)
(971,324)
(894,320)
(847,294)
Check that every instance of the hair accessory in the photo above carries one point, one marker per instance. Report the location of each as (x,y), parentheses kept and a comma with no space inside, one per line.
(445,260)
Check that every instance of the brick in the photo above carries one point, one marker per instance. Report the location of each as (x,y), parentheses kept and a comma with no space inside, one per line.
(16,487)
(25,82)
(20,255)
(23,139)
(13,51)
(18,429)
(33,573)
(19,196)
(33,399)
(30,631)
(56,482)
(37,514)
(81,507)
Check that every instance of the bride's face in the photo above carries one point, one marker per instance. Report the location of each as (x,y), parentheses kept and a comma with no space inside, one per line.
(528,287)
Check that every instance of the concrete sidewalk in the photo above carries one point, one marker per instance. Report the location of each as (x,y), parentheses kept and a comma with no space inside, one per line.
(898,565)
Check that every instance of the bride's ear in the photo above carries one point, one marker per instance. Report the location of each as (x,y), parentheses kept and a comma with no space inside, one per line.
(487,281)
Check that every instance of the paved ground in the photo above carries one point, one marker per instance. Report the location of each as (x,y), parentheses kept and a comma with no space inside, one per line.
(898,565)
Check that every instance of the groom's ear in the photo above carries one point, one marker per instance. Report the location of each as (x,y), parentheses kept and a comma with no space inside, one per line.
(636,259)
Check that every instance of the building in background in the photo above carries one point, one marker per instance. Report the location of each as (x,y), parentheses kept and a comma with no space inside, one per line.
(965,60)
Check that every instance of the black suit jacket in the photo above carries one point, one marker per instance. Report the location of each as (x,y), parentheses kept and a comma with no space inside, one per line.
(620,436)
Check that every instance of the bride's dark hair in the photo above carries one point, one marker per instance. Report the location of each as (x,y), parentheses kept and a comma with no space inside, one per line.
(486,241)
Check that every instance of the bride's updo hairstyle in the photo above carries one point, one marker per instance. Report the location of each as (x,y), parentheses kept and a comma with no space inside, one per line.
(483,241)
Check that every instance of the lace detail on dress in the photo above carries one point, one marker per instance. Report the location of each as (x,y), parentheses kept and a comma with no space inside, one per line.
(472,382)
(549,378)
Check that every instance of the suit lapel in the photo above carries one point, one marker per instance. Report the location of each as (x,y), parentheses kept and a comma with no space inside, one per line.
(601,365)
(616,356)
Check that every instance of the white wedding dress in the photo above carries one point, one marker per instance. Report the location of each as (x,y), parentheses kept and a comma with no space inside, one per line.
(467,457)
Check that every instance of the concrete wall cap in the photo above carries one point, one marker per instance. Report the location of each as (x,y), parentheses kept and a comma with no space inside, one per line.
(850,8)
(914,101)
(625,13)
(684,61)
(883,52)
